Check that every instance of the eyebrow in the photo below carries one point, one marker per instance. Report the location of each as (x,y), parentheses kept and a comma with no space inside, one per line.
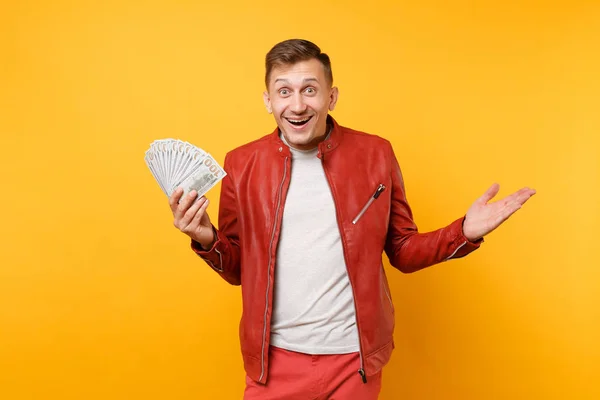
(303,81)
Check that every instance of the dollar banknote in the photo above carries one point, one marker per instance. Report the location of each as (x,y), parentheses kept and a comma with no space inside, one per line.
(175,163)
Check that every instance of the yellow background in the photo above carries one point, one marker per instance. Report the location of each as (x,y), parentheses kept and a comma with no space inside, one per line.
(100,296)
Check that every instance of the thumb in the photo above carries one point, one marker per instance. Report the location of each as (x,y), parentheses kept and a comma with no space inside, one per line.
(489,194)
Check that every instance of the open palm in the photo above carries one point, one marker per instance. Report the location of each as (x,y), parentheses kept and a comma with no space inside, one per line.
(483,217)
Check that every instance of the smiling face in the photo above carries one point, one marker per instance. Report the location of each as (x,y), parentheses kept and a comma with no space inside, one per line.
(300,97)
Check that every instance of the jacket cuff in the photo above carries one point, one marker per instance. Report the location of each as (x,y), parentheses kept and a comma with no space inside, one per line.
(460,245)
(211,256)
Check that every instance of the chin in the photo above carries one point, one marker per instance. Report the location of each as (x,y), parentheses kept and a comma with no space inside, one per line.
(298,137)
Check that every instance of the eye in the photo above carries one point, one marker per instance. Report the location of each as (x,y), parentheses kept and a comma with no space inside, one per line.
(284,92)
(310,90)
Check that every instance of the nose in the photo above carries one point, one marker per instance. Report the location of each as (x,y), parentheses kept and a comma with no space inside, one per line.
(298,105)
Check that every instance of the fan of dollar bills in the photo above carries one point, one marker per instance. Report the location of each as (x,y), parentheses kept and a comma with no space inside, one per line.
(175,163)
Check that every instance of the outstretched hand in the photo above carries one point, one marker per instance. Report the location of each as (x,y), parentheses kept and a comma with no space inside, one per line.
(482,218)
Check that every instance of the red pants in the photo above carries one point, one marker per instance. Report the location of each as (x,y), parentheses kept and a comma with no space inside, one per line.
(298,376)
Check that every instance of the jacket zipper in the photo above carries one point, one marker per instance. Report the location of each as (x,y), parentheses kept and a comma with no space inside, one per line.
(378,191)
(220,259)
(262,355)
(361,371)
(220,268)
(455,251)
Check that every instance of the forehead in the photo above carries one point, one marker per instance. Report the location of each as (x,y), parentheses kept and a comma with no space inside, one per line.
(298,73)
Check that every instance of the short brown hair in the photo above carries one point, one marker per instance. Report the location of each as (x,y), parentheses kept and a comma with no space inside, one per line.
(292,51)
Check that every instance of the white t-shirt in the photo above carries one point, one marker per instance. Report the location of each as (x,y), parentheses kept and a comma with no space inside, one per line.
(313,309)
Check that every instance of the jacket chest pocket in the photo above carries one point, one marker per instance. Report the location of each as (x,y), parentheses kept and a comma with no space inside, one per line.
(369,203)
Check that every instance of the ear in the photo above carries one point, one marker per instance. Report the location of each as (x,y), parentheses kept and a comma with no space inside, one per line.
(267,101)
(333,97)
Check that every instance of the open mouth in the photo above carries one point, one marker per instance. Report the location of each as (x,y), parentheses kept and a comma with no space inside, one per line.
(299,122)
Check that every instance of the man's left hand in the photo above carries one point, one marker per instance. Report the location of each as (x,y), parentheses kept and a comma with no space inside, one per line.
(482,218)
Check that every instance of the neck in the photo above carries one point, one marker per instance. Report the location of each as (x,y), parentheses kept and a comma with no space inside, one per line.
(315,143)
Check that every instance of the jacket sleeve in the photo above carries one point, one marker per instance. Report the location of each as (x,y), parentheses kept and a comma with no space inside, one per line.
(407,249)
(224,256)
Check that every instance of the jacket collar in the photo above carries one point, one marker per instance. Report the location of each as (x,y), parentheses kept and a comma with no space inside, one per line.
(326,146)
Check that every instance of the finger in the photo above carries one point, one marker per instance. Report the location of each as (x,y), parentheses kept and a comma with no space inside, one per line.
(519,196)
(185,204)
(506,212)
(191,212)
(489,194)
(524,195)
(195,225)
(174,199)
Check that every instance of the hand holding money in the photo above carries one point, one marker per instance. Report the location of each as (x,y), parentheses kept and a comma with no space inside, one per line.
(191,217)
(186,173)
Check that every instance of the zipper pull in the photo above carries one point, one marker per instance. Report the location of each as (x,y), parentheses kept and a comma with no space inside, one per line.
(378,191)
(362,374)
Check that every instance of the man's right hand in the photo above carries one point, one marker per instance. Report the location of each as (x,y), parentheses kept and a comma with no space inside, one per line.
(191,217)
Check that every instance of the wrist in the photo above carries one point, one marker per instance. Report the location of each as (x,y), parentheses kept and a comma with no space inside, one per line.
(469,235)
(207,245)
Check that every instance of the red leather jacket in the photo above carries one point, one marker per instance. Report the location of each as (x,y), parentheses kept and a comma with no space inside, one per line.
(373,216)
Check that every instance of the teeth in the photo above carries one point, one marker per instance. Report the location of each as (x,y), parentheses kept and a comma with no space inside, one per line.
(298,120)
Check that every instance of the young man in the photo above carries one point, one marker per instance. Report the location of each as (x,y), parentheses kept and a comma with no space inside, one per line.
(305,215)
